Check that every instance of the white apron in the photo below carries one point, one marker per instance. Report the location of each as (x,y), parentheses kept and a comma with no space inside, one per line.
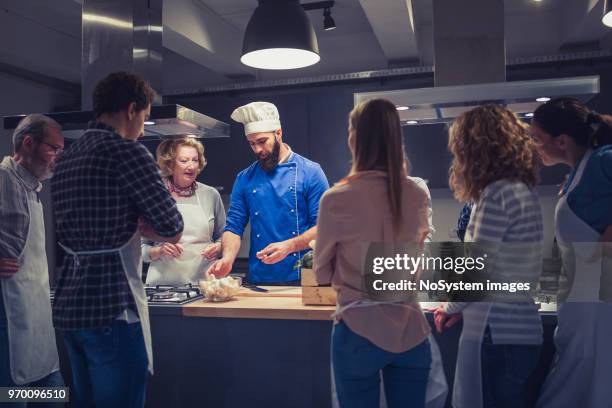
(467,389)
(191,266)
(131,259)
(437,387)
(32,348)
(580,375)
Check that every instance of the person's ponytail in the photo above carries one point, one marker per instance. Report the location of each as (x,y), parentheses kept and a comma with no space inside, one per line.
(571,117)
(601,126)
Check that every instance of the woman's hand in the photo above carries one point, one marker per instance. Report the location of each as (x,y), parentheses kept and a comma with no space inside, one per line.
(444,320)
(166,249)
(212,251)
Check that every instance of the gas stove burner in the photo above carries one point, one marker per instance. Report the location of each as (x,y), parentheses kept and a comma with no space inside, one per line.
(168,295)
(163,295)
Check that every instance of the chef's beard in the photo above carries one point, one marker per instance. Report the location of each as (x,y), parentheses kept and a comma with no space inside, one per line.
(271,161)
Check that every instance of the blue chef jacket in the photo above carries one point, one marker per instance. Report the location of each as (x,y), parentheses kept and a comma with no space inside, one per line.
(281,204)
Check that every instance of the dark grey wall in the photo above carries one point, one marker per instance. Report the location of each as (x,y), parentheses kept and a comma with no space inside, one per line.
(314,120)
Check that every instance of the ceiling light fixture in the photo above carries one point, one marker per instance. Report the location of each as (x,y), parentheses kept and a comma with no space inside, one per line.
(411,122)
(149,122)
(607,17)
(543,99)
(279,35)
(328,22)
(402,108)
(529,115)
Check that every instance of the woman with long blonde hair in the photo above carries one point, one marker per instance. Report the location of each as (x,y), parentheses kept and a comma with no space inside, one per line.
(495,166)
(376,202)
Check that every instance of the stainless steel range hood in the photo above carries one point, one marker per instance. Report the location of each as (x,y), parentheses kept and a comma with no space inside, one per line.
(165,121)
(470,69)
(445,103)
(126,35)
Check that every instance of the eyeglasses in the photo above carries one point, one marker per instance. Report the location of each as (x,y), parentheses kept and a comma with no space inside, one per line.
(55,149)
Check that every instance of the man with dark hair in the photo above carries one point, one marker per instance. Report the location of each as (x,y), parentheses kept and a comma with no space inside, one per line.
(28,352)
(108,188)
(279,193)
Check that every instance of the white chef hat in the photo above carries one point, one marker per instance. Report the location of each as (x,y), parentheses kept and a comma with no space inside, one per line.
(257,117)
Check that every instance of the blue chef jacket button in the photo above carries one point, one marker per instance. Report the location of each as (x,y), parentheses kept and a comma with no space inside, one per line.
(254,191)
(294,254)
(290,188)
(256,212)
(292,210)
(257,235)
(293,232)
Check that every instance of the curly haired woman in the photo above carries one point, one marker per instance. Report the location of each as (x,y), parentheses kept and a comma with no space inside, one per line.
(495,166)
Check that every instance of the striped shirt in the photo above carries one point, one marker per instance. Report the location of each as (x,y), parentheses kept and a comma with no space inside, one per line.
(507,223)
(17,186)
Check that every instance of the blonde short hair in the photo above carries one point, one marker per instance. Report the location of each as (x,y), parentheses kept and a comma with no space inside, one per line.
(166,153)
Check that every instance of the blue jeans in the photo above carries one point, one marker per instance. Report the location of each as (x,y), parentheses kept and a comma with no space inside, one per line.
(506,370)
(52,380)
(109,366)
(357,364)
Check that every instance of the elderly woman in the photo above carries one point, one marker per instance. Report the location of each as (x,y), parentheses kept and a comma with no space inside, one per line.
(180,161)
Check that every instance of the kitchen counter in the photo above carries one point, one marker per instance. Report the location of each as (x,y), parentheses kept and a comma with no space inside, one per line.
(260,350)
(284,302)
(280,302)
(259,308)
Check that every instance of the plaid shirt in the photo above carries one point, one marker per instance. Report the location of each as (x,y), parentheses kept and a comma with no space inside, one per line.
(102,184)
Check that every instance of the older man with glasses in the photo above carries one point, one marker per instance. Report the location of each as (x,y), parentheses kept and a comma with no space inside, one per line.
(28,352)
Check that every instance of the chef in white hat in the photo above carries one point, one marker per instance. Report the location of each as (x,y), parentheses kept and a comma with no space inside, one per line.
(279,193)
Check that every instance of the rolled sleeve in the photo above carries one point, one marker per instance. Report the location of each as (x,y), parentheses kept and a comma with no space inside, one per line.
(423,185)
(14,217)
(140,176)
(220,218)
(316,188)
(237,215)
(146,246)
(606,168)
(327,241)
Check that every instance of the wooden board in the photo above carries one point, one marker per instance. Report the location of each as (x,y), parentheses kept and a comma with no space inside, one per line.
(273,291)
(286,308)
(318,295)
(308,277)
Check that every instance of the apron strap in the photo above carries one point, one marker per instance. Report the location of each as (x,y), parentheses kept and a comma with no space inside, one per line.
(75,254)
(368,303)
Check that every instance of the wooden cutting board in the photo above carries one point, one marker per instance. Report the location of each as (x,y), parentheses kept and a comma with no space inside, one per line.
(273,291)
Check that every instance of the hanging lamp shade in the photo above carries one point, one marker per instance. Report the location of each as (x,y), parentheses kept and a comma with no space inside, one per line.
(279,36)
(607,17)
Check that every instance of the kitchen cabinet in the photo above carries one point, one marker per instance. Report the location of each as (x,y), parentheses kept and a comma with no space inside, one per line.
(260,351)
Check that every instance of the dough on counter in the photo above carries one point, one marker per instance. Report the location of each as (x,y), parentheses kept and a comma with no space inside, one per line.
(218,290)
